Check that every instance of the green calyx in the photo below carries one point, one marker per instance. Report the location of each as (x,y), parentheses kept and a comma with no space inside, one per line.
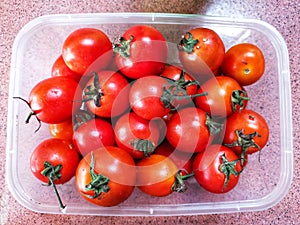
(123,46)
(93,92)
(179,185)
(228,168)
(238,100)
(145,146)
(53,173)
(245,141)
(187,43)
(98,184)
(213,126)
(176,90)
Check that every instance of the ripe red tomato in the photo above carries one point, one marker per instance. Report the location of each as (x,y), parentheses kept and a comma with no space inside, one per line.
(54,161)
(87,48)
(60,68)
(62,130)
(182,160)
(187,130)
(187,82)
(106,94)
(55,99)
(246,132)
(92,135)
(138,136)
(201,52)
(225,96)
(245,63)
(217,169)
(145,97)
(156,175)
(106,176)
(142,51)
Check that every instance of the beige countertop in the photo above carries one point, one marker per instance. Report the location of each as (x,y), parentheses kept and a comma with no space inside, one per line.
(282,14)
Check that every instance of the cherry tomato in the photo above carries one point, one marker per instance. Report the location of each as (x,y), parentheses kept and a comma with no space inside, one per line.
(187,130)
(182,160)
(142,51)
(106,176)
(62,130)
(157,175)
(201,52)
(54,161)
(60,68)
(92,135)
(145,97)
(54,100)
(224,96)
(187,83)
(87,48)
(245,63)
(246,132)
(106,94)
(136,135)
(217,169)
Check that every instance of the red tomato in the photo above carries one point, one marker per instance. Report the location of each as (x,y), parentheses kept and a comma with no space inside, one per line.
(106,94)
(106,176)
(60,68)
(145,97)
(142,51)
(136,135)
(201,52)
(246,132)
(182,160)
(225,96)
(87,48)
(55,99)
(217,169)
(187,130)
(62,130)
(92,135)
(245,63)
(157,176)
(186,82)
(54,161)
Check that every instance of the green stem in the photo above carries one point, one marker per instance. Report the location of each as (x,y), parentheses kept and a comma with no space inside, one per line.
(187,44)
(179,185)
(145,146)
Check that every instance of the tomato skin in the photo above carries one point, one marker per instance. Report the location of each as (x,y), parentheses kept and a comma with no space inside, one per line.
(86,47)
(250,122)
(113,90)
(187,130)
(62,130)
(206,167)
(60,68)
(55,99)
(145,94)
(130,128)
(115,164)
(181,159)
(244,62)
(92,135)
(55,151)
(218,100)
(148,52)
(156,175)
(206,56)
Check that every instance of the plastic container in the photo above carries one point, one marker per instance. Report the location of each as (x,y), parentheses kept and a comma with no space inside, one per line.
(261,186)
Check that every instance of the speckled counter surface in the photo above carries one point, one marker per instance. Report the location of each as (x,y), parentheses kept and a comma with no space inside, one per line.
(284,15)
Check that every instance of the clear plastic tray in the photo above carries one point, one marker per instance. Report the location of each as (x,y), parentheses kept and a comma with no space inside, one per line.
(262,184)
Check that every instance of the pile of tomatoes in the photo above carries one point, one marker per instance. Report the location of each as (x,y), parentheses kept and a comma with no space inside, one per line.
(122,117)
